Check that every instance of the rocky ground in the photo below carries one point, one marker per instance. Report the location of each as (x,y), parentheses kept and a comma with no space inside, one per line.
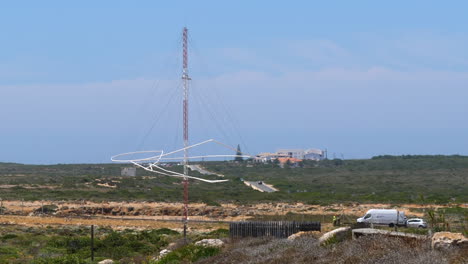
(61,212)
(224,211)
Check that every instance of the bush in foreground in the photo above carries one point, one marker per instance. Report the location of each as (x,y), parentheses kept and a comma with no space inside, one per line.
(188,254)
(371,249)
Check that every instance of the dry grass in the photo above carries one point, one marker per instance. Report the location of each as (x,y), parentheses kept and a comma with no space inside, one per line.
(116,224)
(225,211)
(372,249)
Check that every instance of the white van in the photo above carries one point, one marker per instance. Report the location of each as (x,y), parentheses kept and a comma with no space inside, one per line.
(390,217)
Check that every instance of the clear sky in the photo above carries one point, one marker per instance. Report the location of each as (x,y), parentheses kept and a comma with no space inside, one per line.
(83,80)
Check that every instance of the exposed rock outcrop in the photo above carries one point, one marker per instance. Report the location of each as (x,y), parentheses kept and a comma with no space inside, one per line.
(303,234)
(106,261)
(210,243)
(446,240)
(164,252)
(338,234)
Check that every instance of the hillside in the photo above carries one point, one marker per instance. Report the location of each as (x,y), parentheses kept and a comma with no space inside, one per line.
(389,179)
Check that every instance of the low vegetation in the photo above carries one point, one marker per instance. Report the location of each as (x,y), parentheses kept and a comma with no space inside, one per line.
(371,249)
(188,254)
(72,245)
(388,179)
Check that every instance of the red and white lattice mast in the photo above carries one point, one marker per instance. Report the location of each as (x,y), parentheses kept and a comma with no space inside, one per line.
(185,79)
(153,163)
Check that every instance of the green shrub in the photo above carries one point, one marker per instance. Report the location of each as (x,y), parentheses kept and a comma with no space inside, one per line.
(9,236)
(67,259)
(189,253)
(218,233)
(71,244)
(7,252)
(164,231)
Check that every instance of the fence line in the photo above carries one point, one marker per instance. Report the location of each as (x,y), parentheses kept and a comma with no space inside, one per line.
(279,229)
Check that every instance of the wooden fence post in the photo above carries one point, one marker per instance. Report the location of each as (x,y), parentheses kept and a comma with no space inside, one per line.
(92,242)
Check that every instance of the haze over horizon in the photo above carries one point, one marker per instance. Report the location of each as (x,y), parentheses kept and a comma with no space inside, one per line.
(80,82)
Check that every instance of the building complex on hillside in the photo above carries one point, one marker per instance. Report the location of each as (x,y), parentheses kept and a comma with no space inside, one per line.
(292,155)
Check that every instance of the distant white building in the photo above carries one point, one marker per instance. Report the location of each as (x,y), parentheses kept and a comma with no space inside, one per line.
(291,153)
(314,154)
(266,157)
(300,154)
(128,171)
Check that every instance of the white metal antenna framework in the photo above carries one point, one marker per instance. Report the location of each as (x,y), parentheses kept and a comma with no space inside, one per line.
(156,157)
(153,162)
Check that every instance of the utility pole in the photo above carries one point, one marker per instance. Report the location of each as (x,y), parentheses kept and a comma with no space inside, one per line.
(92,242)
(186,79)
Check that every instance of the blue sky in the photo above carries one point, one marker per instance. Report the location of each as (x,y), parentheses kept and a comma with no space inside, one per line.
(82,81)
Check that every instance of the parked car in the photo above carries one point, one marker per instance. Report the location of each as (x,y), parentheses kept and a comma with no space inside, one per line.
(390,217)
(416,222)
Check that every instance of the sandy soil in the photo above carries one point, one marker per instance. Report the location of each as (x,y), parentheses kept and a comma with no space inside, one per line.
(129,214)
(242,210)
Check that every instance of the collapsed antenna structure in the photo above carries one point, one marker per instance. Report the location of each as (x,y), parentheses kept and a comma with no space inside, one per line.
(153,162)
(154,158)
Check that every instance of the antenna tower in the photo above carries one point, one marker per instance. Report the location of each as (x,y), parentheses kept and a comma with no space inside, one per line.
(185,79)
(153,159)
